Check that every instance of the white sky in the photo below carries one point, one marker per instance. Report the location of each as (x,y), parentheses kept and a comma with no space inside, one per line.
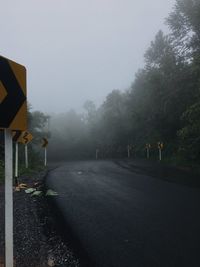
(76,50)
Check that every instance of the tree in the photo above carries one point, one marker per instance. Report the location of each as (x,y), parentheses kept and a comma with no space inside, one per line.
(38,125)
(115,120)
(189,135)
(184,22)
(90,112)
(161,55)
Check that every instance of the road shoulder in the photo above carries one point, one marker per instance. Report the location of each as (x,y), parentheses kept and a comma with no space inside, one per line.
(37,241)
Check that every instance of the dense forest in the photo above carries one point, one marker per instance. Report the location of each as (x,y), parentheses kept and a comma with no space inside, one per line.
(162,104)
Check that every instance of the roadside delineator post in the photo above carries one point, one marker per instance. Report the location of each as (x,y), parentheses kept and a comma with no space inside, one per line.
(128,151)
(148,146)
(44,145)
(160,148)
(45,156)
(97,153)
(23,137)
(26,155)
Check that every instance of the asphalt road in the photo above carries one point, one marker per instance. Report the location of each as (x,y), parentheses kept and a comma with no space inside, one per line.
(123,217)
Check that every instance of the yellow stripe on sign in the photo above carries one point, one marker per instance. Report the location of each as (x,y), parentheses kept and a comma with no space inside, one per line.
(20,121)
(13,106)
(3,92)
(20,74)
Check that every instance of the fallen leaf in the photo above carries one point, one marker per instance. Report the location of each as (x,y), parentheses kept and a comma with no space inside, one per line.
(30,190)
(37,193)
(51,192)
(22,186)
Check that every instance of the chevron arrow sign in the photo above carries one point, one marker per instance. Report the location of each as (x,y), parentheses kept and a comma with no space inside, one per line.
(44,142)
(13,104)
(25,138)
(22,137)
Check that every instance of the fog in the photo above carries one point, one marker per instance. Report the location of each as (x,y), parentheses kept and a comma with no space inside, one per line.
(78,50)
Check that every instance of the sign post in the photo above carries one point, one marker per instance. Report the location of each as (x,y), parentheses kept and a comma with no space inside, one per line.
(128,151)
(8,198)
(26,156)
(25,138)
(45,156)
(97,153)
(44,145)
(148,146)
(16,163)
(160,147)
(16,135)
(13,116)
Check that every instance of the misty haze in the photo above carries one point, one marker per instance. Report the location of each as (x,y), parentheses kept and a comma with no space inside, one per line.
(99,140)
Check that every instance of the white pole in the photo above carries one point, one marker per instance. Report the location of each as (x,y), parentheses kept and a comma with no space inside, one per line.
(45,156)
(128,148)
(97,153)
(26,156)
(160,154)
(8,198)
(148,153)
(16,163)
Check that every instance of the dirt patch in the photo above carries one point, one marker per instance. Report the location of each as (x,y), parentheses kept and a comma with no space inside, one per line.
(37,241)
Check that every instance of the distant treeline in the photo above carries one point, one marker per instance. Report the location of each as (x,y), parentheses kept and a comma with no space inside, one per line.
(163,103)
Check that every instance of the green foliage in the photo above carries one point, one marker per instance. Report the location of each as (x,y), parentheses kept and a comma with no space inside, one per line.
(38,125)
(114,120)
(184,22)
(189,135)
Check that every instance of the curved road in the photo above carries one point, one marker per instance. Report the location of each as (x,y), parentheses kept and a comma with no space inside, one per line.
(126,218)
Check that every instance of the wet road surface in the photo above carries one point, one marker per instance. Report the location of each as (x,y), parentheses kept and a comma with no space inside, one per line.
(122,217)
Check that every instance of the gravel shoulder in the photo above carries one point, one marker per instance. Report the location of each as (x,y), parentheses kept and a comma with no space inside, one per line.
(37,239)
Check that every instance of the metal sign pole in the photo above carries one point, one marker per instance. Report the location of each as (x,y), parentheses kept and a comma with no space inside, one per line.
(148,153)
(128,150)
(26,156)
(8,198)
(160,154)
(45,156)
(16,164)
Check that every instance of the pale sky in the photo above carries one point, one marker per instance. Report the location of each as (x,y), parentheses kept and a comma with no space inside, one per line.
(75,50)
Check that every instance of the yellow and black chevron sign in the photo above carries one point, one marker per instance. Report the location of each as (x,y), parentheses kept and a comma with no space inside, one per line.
(13,103)
(16,135)
(22,137)
(44,142)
